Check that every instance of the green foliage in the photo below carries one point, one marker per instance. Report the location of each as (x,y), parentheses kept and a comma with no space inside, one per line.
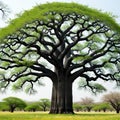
(14,103)
(81,58)
(99,88)
(44,104)
(3,106)
(95,87)
(77,107)
(39,13)
(25,62)
(102,107)
(32,107)
(25,84)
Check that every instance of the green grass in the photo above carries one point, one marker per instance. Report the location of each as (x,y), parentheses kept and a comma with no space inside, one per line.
(45,116)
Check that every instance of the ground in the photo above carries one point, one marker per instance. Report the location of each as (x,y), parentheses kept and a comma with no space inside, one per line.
(46,116)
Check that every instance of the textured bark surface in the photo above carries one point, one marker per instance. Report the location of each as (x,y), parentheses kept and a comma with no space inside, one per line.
(61,98)
(62,95)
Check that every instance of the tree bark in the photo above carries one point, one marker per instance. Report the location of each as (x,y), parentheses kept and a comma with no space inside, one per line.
(61,101)
(117,111)
(12,109)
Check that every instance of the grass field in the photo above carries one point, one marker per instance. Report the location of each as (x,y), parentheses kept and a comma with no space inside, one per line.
(46,116)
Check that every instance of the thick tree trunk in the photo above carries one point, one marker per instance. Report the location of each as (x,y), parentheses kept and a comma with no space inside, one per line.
(61,101)
(117,110)
(12,109)
(44,109)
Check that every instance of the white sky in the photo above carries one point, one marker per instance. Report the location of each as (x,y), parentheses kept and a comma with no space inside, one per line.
(17,6)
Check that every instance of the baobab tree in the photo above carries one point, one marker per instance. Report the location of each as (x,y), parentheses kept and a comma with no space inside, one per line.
(61,41)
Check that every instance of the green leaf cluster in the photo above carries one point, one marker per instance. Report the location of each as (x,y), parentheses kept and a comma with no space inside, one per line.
(25,62)
(3,106)
(32,107)
(13,101)
(95,87)
(101,106)
(39,13)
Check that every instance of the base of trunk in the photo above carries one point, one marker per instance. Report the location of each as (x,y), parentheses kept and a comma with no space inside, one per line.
(61,112)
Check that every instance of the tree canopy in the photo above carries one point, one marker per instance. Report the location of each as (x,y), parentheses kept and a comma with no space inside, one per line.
(87,103)
(61,41)
(113,99)
(32,107)
(39,13)
(14,103)
(44,104)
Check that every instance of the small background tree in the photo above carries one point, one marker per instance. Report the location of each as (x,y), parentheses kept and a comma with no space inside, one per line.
(87,103)
(101,107)
(113,99)
(14,103)
(77,107)
(34,106)
(44,104)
